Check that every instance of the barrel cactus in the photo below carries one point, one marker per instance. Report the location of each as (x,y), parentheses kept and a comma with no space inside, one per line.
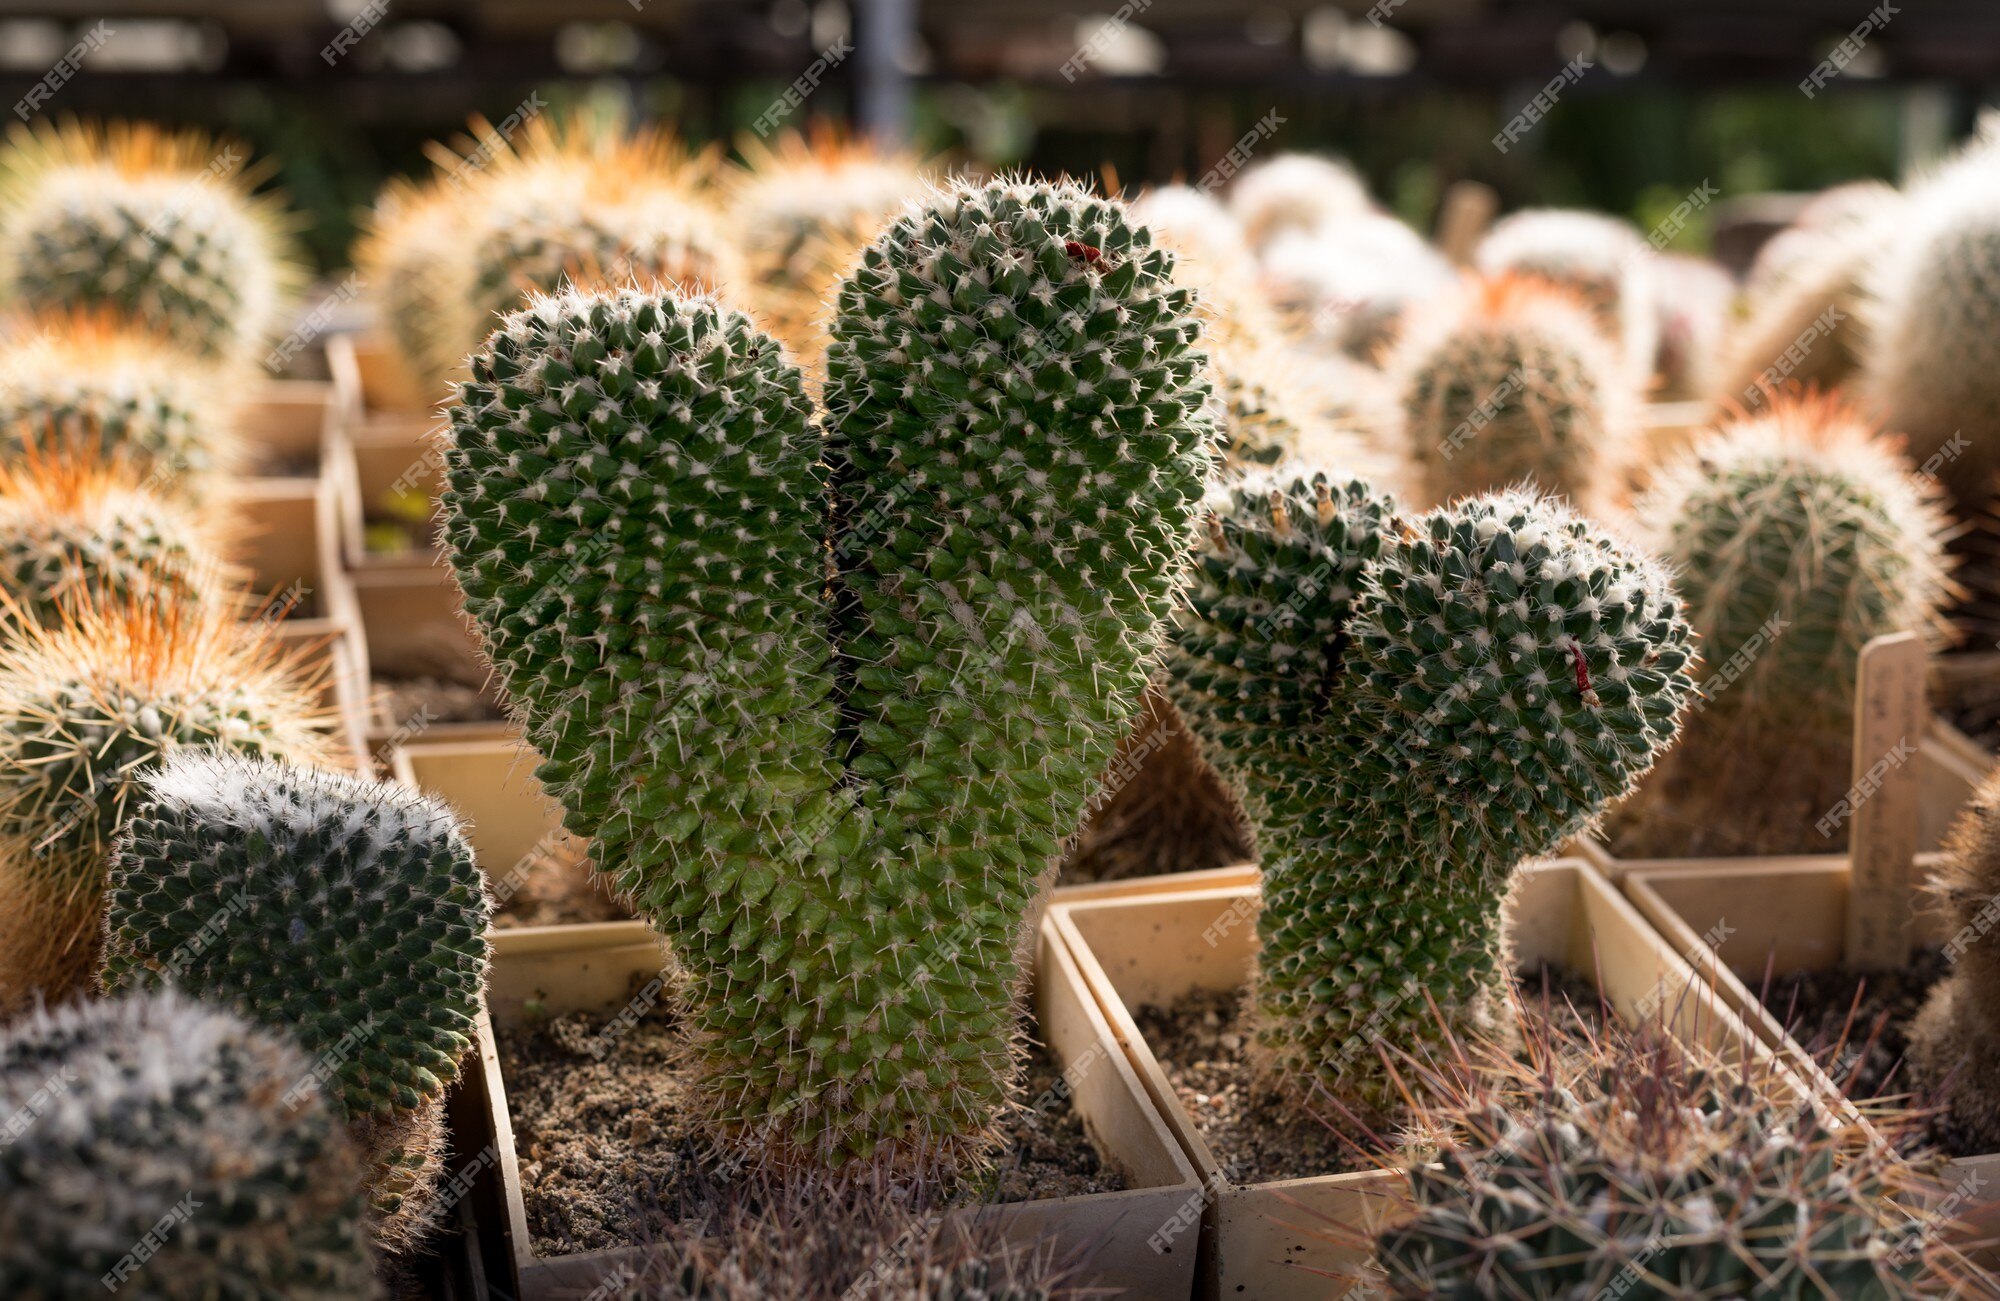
(1411,708)
(73,525)
(86,381)
(1293,191)
(409,256)
(1602,259)
(149,1143)
(1928,371)
(837,798)
(87,705)
(1629,1170)
(1509,381)
(346,911)
(162,228)
(1955,1041)
(1797,534)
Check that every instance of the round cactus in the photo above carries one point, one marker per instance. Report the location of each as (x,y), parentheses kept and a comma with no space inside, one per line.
(1294,192)
(347,911)
(74,525)
(158,227)
(1348,284)
(86,707)
(802,210)
(1603,259)
(1411,709)
(1628,1170)
(82,380)
(410,256)
(150,1143)
(1695,299)
(1955,1040)
(1797,535)
(1508,382)
(1929,371)
(1013,452)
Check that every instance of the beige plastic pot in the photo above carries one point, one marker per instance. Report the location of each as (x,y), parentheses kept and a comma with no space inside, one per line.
(371,377)
(1295,1237)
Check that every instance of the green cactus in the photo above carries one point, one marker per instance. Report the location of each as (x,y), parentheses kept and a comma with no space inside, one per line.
(84,382)
(158,227)
(1645,1175)
(1601,259)
(1409,710)
(838,806)
(1797,535)
(1955,1039)
(86,707)
(408,257)
(146,1148)
(347,911)
(1508,382)
(72,524)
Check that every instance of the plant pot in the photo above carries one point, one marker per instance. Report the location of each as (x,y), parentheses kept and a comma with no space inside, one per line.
(345,693)
(587,968)
(1785,916)
(285,424)
(491,782)
(410,615)
(372,377)
(1160,946)
(374,460)
(1671,426)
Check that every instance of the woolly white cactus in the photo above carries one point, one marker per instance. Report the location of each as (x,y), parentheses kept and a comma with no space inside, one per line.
(1294,192)
(1602,258)
(1349,282)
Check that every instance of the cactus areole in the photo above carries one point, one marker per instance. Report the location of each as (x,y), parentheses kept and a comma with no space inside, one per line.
(828,704)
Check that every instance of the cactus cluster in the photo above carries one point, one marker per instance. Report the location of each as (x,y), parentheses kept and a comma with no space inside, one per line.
(74,526)
(154,1143)
(161,228)
(1602,259)
(836,789)
(343,910)
(1632,1170)
(1410,708)
(87,706)
(1508,382)
(1796,535)
(86,381)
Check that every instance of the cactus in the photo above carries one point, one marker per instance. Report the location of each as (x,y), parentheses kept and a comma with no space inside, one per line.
(1349,283)
(1695,299)
(1955,1039)
(838,808)
(802,210)
(151,1143)
(1797,534)
(1629,1169)
(1294,192)
(1506,382)
(574,198)
(344,910)
(77,524)
(83,380)
(159,227)
(1927,370)
(1602,258)
(86,707)
(1409,710)
(409,258)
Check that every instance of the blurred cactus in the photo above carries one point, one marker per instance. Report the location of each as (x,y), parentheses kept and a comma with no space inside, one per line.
(1603,259)
(1955,1040)
(411,257)
(1291,191)
(1349,283)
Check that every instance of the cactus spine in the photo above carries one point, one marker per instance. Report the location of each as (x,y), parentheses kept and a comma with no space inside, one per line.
(838,811)
(87,706)
(1410,709)
(1510,382)
(1955,1040)
(155,1122)
(346,911)
(160,228)
(1797,534)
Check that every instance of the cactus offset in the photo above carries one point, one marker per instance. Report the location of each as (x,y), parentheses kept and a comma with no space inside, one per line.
(1410,710)
(1602,259)
(83,381)
(74,524)
(1797,536)
(838,810)
(1630,1170)
(86,707)
(155,1120)
(1509,382)
(161,228)
(344,910)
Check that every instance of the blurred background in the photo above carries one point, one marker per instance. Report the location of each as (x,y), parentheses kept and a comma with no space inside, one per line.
(1677,92)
